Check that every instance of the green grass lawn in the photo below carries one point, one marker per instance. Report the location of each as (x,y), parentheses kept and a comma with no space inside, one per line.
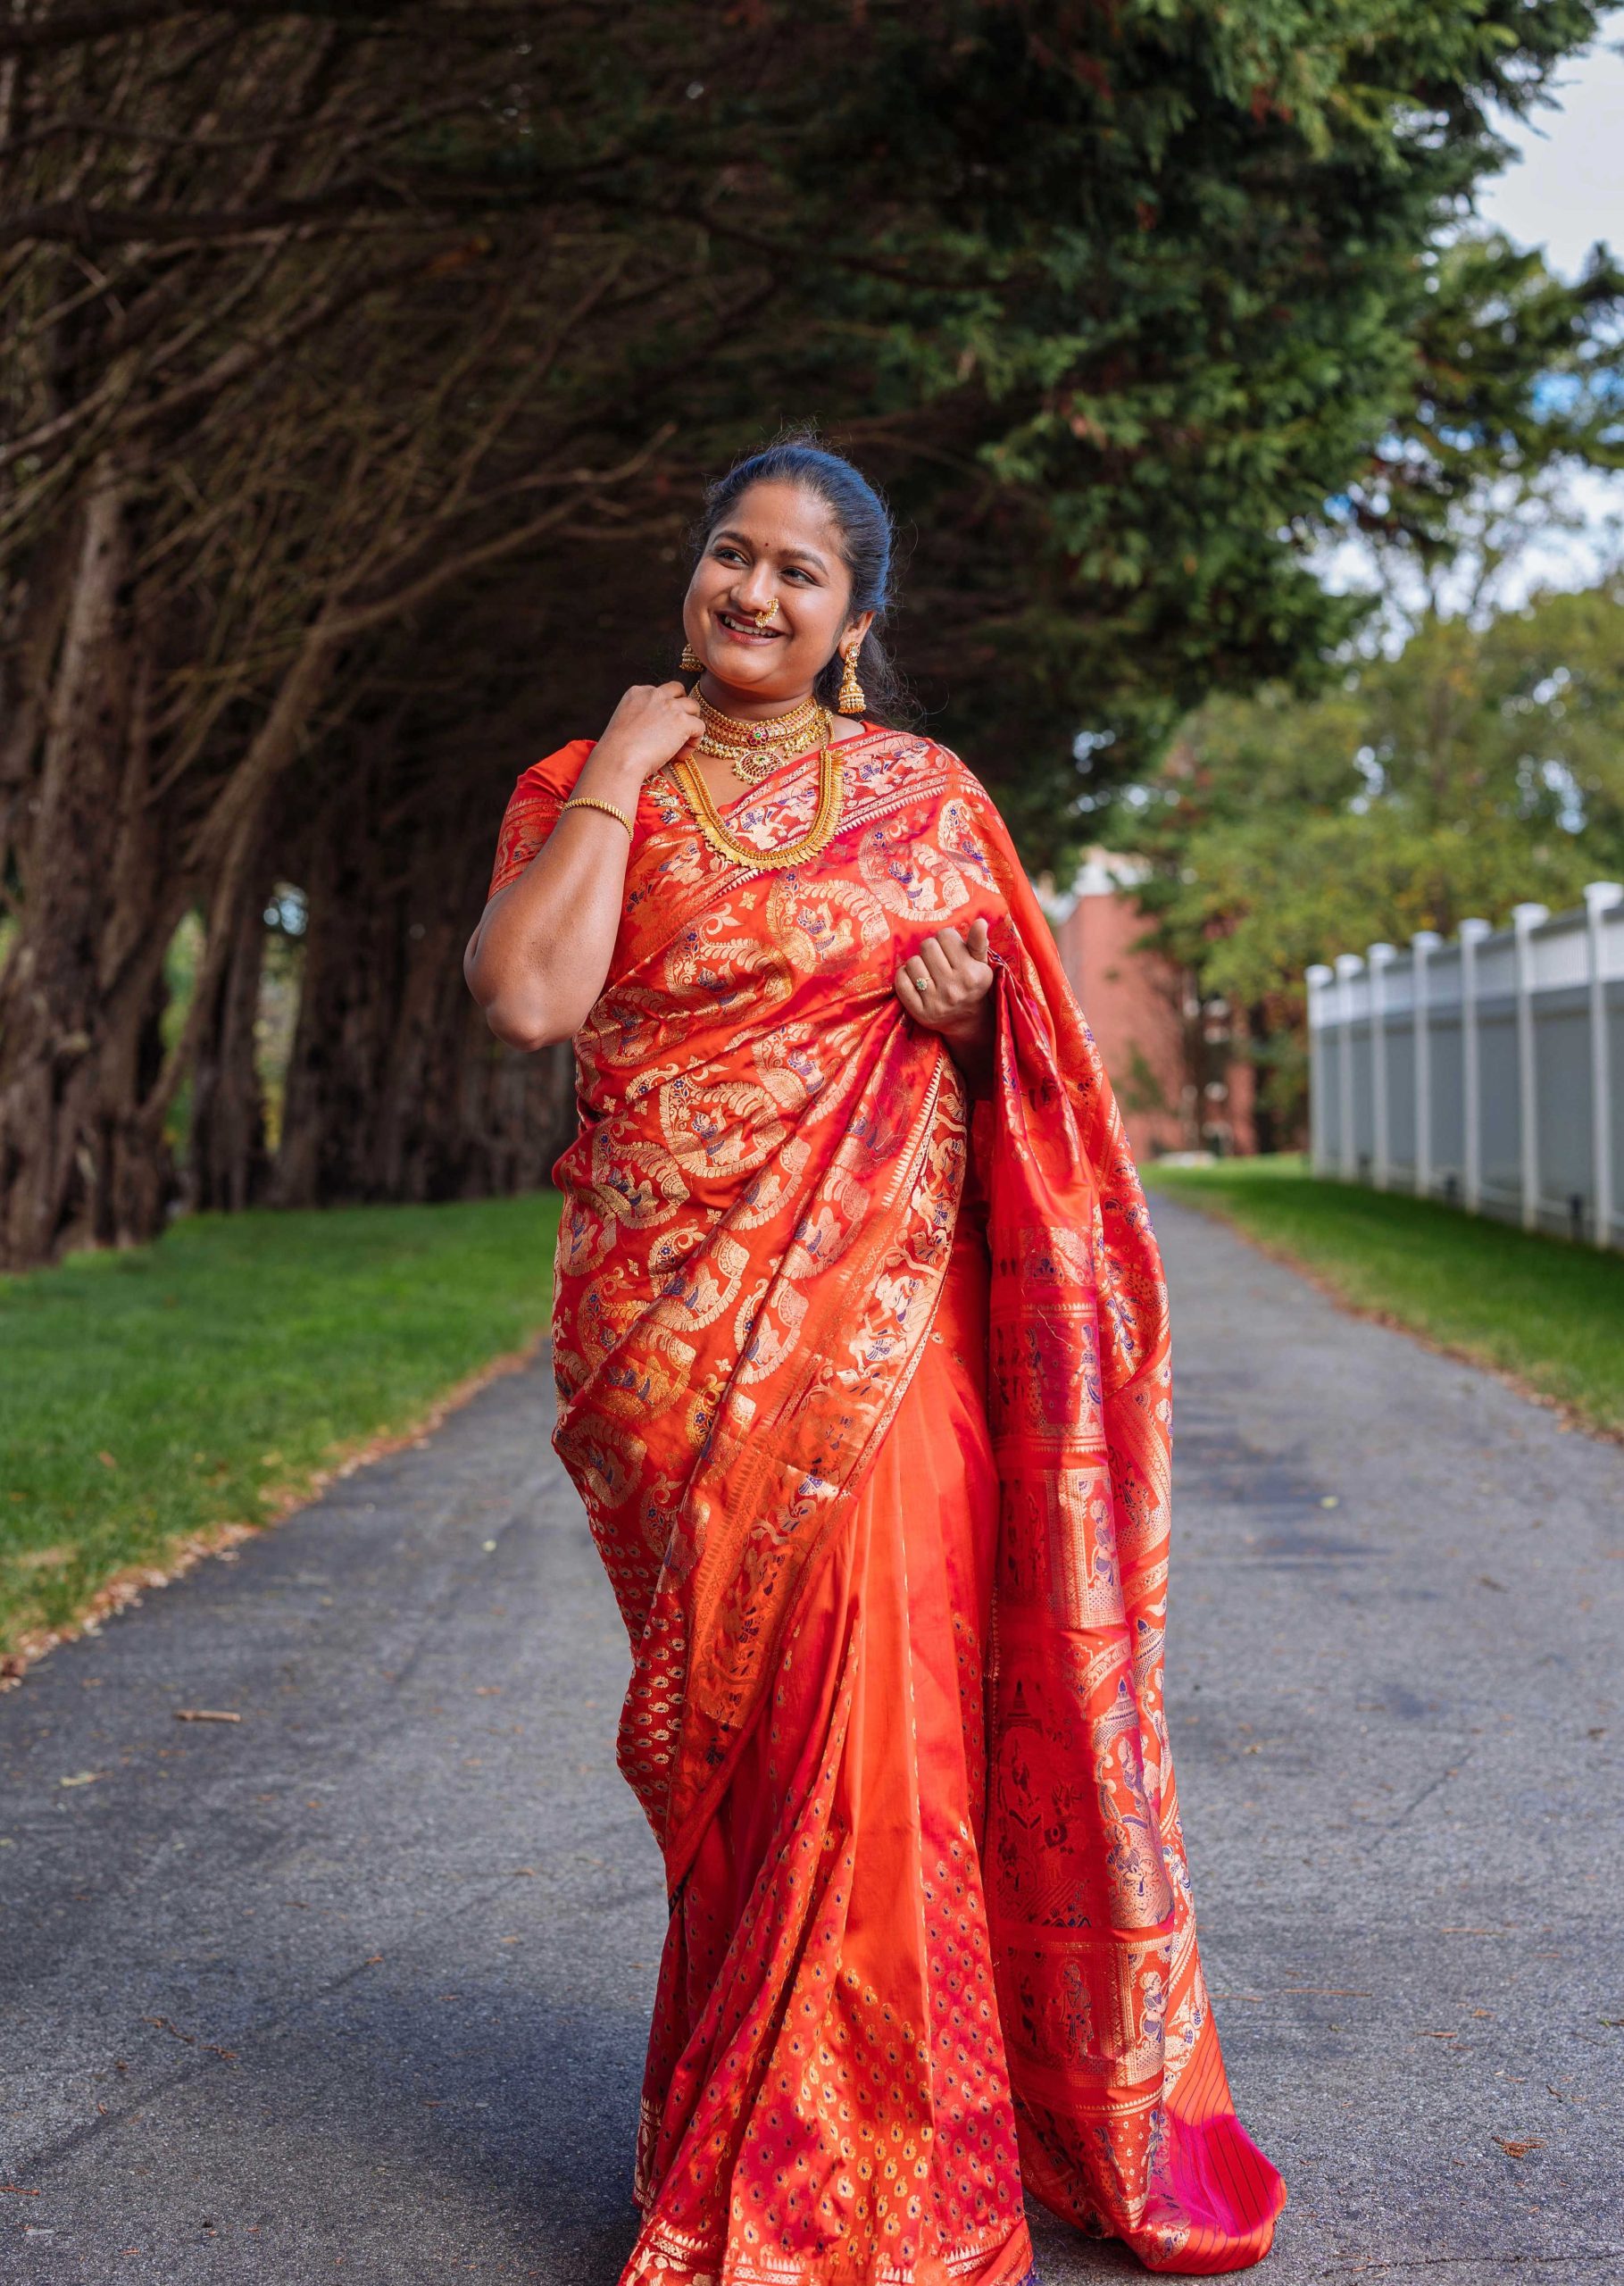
(1550,1313)
(145,1397)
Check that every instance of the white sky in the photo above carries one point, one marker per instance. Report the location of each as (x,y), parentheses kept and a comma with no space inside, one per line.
(1566,189)
(1563,191)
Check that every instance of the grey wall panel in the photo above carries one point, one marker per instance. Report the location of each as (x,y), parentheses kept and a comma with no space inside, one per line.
(1615,1057)
(1400,1095)
(1562,1064)
(1364,1114)
(1502,1146)
(1448,1101)
(1330,1079)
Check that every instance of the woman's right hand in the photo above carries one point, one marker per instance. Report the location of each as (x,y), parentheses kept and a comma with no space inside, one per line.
(537,960)
(651,726)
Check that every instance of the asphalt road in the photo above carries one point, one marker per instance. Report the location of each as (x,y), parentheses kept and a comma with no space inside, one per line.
(355,1988)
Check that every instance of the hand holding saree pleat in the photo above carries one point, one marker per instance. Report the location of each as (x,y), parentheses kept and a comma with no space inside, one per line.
(866,1390)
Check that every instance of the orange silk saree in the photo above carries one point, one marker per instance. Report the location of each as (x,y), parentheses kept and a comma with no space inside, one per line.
(867,1395)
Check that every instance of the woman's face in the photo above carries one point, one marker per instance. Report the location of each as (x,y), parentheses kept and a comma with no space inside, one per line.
(777,546)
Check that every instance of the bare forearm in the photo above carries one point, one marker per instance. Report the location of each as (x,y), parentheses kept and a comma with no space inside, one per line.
(538,960)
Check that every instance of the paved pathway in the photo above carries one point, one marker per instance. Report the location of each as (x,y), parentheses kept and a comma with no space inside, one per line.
(356,1989)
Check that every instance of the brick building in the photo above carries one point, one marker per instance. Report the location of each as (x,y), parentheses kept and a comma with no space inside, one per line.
(1168,1057)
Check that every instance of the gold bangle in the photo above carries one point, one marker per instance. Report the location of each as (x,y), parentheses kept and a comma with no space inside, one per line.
(591,801)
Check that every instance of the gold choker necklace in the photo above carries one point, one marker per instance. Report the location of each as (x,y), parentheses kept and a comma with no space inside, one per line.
(755,748)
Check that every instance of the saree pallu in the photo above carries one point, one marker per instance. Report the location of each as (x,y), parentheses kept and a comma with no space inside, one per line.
(868,1399)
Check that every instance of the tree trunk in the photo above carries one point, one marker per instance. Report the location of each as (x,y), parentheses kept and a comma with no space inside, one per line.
(36,614)
(229,1163)
(82,992)
(395,1087)
(518,1112)
(334,1066)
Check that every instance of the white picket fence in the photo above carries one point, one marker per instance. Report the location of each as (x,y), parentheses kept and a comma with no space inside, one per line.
(1484,1071)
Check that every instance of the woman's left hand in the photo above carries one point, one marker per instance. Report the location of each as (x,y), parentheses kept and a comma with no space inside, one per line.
(946,985)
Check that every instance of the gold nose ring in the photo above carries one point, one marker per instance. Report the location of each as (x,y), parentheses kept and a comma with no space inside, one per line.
(765,618)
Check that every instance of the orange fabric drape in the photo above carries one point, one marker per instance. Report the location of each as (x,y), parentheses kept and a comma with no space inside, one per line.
(826,2095)
(884,1591)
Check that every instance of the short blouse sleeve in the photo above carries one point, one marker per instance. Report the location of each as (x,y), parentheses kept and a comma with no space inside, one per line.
(533,810)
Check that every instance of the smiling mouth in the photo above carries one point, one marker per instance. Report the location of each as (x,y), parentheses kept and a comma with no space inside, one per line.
(742,626)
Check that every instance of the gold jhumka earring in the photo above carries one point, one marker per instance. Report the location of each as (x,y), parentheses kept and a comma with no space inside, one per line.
(690,659)
(851,700)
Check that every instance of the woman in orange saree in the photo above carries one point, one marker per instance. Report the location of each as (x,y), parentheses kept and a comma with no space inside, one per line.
(862,1353)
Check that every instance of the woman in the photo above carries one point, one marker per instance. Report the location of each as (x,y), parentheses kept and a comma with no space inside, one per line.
(862,1368)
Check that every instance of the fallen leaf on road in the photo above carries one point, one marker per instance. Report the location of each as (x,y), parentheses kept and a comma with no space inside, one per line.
(82,1778)
(1440,2035)
(1498,1585)
(205,1715)
(371,1960)
(17,2191)
(1330,1500)
(1521,2150)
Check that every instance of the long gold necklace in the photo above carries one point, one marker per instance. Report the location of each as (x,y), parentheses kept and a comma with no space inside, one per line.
(706,817)
(755,748)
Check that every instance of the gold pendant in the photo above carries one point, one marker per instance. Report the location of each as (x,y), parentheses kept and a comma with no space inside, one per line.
(752,768)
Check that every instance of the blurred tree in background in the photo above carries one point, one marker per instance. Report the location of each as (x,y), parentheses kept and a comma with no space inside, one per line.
(1481,766)
(362,366)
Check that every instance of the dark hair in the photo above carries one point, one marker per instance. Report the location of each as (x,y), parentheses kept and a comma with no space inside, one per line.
(867,547)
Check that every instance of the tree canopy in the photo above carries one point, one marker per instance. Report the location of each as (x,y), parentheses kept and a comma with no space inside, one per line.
(364,363)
